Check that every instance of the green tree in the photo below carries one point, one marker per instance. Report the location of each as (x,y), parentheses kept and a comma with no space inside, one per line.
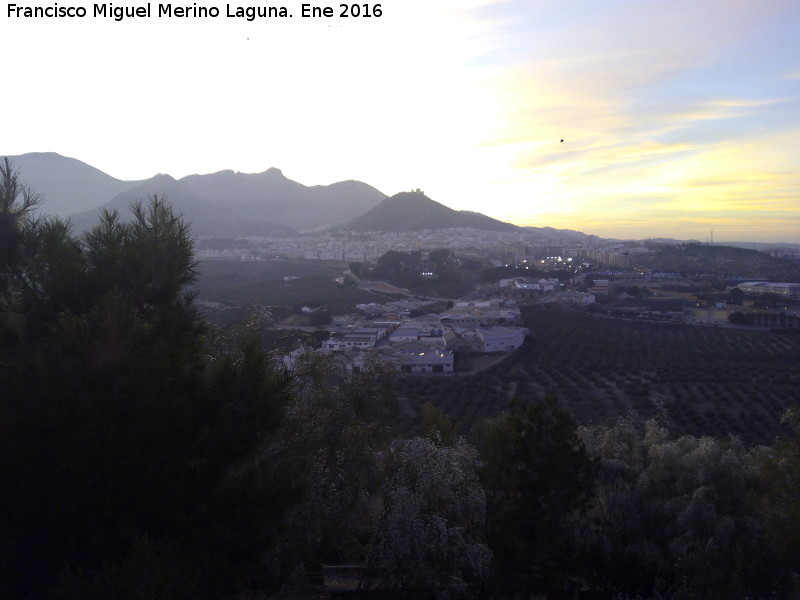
(439,257)
(357,269)
(778,496)
(336,428)
(17,221)
(674,517)
(428,540)
(537,477)
(635,291)
(436,425)
(740,318)
(126,436)
(735,296)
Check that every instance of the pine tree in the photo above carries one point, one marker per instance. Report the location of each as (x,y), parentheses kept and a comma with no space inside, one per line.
(129,444)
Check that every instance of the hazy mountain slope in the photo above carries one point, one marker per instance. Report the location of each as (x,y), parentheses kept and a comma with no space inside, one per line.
(562,235)
(67,185)
(345,200)
(270,197)
(413,211)
(242,204)
(206,218)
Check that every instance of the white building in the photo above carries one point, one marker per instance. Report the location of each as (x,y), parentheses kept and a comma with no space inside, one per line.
(350,340)
(501,339)
(428,361)
(548,284)
(474,319)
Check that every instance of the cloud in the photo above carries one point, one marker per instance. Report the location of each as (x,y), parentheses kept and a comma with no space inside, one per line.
(656,119)
(663,106)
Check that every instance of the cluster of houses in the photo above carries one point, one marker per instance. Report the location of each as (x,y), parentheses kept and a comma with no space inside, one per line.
(552,287)
(529,284)
(427,344)
(788,290)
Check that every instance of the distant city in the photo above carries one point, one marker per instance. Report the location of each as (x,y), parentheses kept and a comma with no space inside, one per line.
(491,245)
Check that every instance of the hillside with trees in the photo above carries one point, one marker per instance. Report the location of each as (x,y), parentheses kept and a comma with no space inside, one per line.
(720,261)
(441,274)
(226,289)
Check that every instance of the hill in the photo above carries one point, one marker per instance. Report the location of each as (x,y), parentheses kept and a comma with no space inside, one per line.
(67,185)
(414,211)
(233,204)
(569,236)
(722,261)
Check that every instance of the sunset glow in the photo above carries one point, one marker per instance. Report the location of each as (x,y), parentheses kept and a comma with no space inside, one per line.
(677,117)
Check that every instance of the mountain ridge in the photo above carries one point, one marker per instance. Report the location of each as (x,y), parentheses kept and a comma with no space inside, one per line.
(67,185)
(226,203)
(414,211)
(230,203)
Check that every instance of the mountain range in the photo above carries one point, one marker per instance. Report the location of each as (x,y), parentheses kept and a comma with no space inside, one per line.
(243,204)
(224,203)
(233,204)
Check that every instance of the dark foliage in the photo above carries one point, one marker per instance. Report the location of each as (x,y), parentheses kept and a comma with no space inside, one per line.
(125,438)
(721,261)
(537,477)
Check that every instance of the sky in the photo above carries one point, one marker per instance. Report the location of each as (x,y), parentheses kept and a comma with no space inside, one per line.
(678,117)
